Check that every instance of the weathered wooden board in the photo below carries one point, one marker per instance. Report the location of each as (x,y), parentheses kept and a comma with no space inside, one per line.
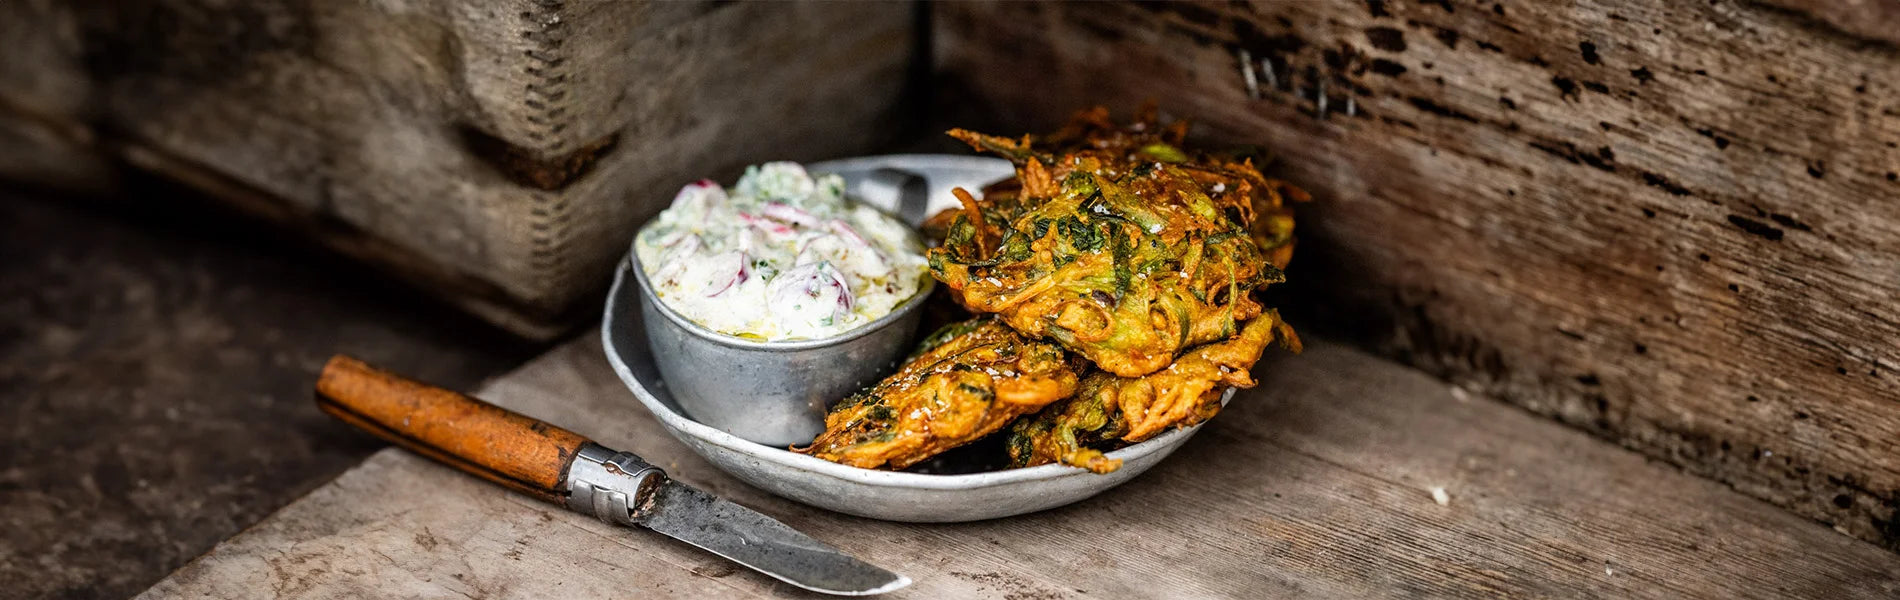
(499,152)
(1316,484)
(1674,224)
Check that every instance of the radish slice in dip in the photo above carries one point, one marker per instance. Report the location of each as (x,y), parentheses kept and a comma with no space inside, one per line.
(782,255)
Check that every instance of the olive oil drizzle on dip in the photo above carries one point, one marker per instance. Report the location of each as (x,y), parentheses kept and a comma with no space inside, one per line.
(782,255)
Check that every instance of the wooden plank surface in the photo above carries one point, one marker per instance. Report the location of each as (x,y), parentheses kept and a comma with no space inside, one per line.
(1689,211)
(1316,484)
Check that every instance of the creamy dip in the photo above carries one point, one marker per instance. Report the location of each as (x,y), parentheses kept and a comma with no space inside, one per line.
(782,255)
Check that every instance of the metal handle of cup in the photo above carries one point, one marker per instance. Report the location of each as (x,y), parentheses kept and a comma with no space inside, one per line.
(911,192)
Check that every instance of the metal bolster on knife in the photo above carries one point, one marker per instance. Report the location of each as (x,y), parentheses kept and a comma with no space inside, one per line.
(616,487)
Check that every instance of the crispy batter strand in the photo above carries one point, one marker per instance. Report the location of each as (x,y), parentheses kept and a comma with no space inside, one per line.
(975,214)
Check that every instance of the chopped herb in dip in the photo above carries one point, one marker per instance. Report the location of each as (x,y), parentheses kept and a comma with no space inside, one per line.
(782,255)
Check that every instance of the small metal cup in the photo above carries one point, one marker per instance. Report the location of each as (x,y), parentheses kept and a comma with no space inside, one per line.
(773,393)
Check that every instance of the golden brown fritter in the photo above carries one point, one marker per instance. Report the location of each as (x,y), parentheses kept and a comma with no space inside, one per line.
(1109,411)
(1116,243)
(967,381)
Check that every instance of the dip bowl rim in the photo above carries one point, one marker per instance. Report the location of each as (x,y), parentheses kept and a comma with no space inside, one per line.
(909,304)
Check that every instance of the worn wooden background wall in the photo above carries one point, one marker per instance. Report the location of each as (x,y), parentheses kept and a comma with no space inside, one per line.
(1675,224)
(497,152)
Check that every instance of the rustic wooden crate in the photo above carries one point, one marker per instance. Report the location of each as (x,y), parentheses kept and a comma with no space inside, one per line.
(499,152)
(1675,224)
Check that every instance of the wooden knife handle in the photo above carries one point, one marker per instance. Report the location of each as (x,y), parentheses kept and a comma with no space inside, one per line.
(491,442)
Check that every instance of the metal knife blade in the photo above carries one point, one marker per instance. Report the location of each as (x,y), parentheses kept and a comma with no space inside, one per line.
(619,487)
(762,543)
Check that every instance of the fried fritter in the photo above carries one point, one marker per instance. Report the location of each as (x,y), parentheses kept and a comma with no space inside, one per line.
(968,380)
(1116,243)
(1108,411)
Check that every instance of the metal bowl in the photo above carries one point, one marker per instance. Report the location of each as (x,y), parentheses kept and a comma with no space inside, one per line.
(894,496)
(773,393)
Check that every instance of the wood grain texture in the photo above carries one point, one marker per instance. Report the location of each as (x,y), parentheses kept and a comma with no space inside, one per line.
(156,357)
(484,440)
(513,143)
(1315,484)
(1876,20)
(1675,225)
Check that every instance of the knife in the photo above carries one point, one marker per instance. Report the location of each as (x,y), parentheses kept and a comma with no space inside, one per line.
(541,460)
